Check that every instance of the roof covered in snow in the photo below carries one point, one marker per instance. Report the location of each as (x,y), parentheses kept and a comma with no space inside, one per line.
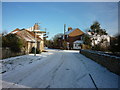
(78,41)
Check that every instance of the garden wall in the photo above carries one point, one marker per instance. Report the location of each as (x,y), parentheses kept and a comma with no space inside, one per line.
(6,53)
(112,63)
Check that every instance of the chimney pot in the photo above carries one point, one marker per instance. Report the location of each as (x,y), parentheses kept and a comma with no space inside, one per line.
(69,28)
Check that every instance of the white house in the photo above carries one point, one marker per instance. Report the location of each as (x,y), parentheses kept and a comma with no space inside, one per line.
(77,43)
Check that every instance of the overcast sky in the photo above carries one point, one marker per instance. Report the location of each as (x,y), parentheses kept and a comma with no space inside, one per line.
(53,15)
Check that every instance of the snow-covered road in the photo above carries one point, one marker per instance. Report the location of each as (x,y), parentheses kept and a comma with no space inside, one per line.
(58,69)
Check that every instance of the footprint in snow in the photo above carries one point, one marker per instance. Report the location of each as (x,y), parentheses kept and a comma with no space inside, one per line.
(67,69)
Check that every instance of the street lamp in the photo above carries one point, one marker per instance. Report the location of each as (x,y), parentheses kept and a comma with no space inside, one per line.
(38,28)
(35,44)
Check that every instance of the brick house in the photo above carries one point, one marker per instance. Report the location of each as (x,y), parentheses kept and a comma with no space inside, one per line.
(28,38)
(73,37)
(39,33)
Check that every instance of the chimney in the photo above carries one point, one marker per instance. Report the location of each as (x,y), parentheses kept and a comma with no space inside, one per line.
(69,28)
(36,26)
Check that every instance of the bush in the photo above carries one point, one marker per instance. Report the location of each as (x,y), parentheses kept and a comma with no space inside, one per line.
(87,40)
(96,47)
(115,44)
(64,44)
(84,46)
(12,41)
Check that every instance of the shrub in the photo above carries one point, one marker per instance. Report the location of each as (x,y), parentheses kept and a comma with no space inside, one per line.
(115,44)
(96,47)
(13,42)
(64,44)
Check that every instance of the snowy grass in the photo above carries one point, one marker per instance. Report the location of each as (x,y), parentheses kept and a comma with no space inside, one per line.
(20,61)
(71,50)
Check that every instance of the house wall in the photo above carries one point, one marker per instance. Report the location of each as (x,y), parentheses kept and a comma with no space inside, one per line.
(77,34)
(42,45)
(72,39)
(28,47)
(76,46)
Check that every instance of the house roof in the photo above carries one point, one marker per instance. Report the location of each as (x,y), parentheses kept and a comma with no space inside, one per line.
(16,30)
(26,35)
(70,31)
(33,34)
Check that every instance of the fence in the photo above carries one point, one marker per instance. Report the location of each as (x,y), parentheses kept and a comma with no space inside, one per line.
(112,63)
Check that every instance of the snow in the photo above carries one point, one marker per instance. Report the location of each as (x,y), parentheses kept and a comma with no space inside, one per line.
(30,29)
(98,38)
(57,69)
(14,32)
(36,30)
(102,77)
(19,61)
(102,53)
(78,41)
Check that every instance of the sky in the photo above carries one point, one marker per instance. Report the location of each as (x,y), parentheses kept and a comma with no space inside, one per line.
(53,15)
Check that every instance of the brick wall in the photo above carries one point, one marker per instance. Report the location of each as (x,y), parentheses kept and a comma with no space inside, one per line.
(112,63)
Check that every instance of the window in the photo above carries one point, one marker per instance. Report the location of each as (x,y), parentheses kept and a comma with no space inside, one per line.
(75,45)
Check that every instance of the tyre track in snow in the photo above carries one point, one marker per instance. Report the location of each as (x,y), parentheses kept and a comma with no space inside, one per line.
(54,71)
(88,72)
(81,75)
(47,80)
(63,69)
(68,74)
(99,75)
